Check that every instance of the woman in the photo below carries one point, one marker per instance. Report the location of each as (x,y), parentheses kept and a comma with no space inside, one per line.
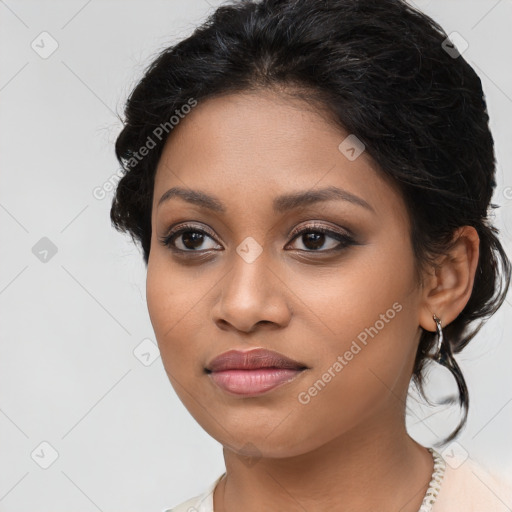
(310,183)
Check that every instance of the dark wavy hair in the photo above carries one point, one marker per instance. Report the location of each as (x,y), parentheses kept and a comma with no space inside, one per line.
(382,70)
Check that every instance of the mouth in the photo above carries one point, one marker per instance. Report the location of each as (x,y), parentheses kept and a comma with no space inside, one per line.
(253,372)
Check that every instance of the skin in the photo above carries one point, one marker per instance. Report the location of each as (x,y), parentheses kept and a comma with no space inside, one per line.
(348,447)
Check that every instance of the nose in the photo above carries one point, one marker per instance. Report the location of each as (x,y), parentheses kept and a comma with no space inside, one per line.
(252,294)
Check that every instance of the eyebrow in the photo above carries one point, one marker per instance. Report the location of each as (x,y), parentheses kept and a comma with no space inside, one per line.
(280,204)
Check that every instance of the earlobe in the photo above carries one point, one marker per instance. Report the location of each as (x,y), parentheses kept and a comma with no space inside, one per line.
(449,287)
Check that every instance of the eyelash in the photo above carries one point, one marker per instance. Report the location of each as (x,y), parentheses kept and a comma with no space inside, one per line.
(344,240)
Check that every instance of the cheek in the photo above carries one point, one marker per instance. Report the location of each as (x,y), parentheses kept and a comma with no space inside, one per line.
(368,314)
(174,296)
(360,373)
(367,288)
(173,309)
(173,306)
(161,300)
(361,379)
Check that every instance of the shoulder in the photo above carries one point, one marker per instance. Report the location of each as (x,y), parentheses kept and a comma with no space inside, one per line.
(469,487)
(201,503)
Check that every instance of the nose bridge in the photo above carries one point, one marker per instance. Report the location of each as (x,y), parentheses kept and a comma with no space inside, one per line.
(251,293)
(248,280)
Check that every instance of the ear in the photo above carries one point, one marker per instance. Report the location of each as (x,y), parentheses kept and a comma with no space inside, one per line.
(448,288)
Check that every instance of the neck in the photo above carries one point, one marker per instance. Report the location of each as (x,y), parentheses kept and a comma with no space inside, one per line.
(364,469)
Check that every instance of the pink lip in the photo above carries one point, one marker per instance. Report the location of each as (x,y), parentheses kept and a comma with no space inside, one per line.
(253,372)
(252,382)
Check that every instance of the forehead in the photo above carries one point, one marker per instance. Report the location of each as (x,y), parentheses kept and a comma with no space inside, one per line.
(245,147)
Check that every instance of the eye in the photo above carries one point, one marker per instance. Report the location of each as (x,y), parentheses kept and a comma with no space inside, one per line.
(189,238)
(192,239)
(314,237)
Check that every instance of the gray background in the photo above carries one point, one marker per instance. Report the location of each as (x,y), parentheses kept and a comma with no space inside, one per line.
(72,321)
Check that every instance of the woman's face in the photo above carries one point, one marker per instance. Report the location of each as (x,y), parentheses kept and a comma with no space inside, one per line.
(344,304)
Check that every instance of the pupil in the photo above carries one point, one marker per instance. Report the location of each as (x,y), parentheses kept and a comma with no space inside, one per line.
(192,239)
(315,238)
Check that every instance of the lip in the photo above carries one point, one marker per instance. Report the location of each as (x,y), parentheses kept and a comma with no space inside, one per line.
(253,372)
(251,360)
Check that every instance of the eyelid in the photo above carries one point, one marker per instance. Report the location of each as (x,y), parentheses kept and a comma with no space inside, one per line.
(322,227)
(179,228)
(185,225)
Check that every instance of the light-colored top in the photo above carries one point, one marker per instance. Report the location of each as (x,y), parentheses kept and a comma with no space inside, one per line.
(465,488)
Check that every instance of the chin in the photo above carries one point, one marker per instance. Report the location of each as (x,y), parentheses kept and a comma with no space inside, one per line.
(250,442)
